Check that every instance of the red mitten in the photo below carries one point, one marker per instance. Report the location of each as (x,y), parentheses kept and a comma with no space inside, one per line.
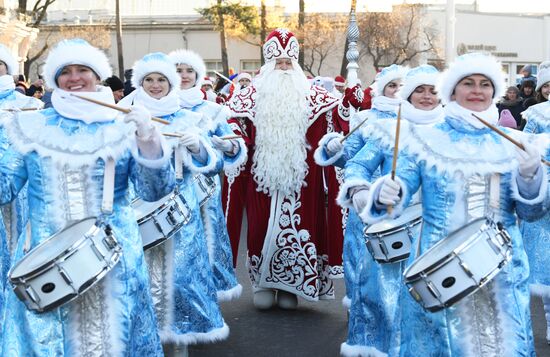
(353,96)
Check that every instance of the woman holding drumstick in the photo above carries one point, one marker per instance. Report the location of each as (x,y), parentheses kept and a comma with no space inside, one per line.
(467,173)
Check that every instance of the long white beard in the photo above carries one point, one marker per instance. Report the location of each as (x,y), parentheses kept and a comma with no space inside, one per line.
(281,122)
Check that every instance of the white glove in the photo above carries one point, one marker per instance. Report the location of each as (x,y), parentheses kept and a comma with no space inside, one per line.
(360,199)
(529,160)
(191,142)
(223,145)
(142,118)
(334,145)
(389,192)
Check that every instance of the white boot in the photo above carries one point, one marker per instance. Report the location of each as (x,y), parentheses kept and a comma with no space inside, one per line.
(286,300)
(546,302)
(264,299)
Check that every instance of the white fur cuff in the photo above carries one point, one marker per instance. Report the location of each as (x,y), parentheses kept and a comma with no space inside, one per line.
(542,192)
(154,163)
(211,159)
(232,163)
(344,199)
(368,216)
(321,154)
(360,351)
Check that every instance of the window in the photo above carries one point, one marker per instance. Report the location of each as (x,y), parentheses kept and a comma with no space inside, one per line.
(212,66)
(250,66)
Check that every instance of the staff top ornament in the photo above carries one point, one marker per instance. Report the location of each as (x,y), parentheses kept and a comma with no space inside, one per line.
(281,43)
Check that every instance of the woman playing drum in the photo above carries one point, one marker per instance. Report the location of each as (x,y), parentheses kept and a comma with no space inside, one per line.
(378,284)
(78,160)
(181,278)
(192,70)
(332,151)
(466,172)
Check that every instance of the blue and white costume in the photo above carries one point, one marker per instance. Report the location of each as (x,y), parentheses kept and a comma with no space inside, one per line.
(536,235)
(14,215)
(214,123)
(181,277)
(61,153)
(374,300)
(465,172)
(383,108)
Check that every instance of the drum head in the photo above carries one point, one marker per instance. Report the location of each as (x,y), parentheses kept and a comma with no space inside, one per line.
(52,247)
(409,214)
(143,208)
(444,247)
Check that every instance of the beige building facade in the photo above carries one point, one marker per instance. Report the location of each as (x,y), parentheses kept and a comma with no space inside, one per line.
(516,40)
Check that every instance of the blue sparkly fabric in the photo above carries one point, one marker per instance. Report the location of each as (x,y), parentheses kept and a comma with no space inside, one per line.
(376,286)
(213,217)
(182,282)
(116,315)
(536,235)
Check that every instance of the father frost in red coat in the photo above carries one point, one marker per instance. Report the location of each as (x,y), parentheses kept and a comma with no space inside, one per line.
(292,249)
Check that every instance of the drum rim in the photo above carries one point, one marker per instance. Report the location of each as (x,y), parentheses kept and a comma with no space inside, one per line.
(66,252)
(444,258)
(382,234)
(416,206)
(169,198)
(467,292)
(115,258)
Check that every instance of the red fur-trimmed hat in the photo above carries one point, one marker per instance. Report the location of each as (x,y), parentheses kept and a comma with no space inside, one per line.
(339,81)
(281,43)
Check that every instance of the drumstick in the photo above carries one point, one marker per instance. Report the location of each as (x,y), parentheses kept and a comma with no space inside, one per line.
(351,132)
(224,77)
(506,136)
(231,137)
(176,135)
(116,107)
(20,110)
(395,151)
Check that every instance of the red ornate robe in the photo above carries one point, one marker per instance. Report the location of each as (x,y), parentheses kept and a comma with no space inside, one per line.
(294,241)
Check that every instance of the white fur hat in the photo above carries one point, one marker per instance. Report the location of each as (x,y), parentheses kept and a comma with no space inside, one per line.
(156,62)
(466,65)
(75,51)
(421,75)
(387,75)
(192,59)
(543,76)
(243,75)
(9,60)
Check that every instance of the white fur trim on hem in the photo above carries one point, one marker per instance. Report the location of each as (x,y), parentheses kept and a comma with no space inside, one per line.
(540,290)
(321,154)
(543,190)
(191,338)
(366,214)
(343,199)
(231,294)
(360,351)
(346,302)
(155,163)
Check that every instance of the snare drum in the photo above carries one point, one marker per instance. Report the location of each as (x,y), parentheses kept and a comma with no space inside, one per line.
(459,265)
(160,220)
(65,265)
(389,241)
(204,188)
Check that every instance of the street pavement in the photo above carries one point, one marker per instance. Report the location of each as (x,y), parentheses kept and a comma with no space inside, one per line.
(314,329)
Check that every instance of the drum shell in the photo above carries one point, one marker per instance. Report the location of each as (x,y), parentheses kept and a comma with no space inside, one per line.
(463,271)
(394,244)
(70,274)
(170,214)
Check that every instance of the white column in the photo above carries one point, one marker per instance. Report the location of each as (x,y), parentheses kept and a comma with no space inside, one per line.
(450,21)
(546,38)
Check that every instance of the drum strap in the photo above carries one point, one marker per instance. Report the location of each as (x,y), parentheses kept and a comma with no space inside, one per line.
(178,161)
(494,192)
(108,186)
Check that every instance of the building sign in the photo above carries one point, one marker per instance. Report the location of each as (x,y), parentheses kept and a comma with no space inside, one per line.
(463,48)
